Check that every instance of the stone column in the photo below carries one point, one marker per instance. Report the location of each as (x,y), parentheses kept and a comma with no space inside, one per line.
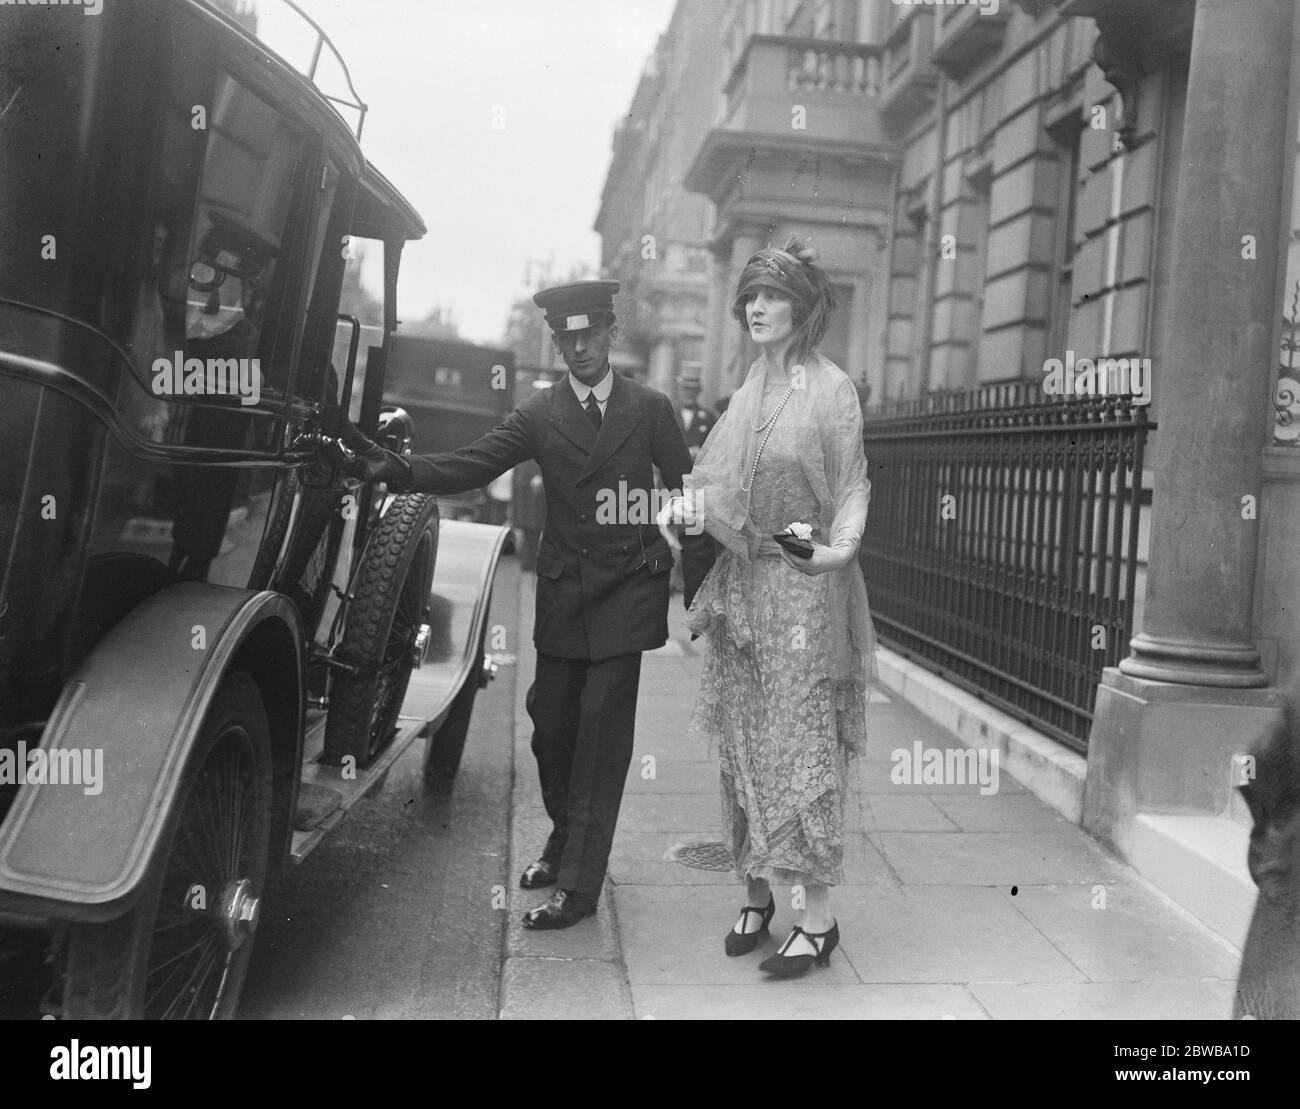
(662,371)
(1189,696)
(749,238)
(1219,352)
(715,318)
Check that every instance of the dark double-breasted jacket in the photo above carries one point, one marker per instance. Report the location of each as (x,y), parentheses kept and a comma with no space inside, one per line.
(702,421)
(602,565)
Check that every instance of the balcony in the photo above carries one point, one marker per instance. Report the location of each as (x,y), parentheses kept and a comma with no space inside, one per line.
(834,83)
(966,36)
(798,132)
(910,77)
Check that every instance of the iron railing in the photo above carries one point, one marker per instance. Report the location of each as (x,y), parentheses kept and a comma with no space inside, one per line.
(338,96)
(1001,547)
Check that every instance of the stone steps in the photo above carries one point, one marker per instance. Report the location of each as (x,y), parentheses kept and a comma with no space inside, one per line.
(1199,862)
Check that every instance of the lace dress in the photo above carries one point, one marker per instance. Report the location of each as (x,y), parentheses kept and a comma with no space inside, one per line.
(779,725)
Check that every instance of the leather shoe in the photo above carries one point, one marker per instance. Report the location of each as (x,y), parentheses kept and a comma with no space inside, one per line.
(538,875)
(565,908)
(742,943)
(791,966)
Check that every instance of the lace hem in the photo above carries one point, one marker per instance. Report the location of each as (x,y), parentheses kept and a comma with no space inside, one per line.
(808,849)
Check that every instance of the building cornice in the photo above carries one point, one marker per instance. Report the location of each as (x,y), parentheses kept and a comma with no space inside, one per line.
(1136,38)
(723,150)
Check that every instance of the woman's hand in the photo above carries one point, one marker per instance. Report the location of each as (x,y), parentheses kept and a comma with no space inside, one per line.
(821,561)
(678,511)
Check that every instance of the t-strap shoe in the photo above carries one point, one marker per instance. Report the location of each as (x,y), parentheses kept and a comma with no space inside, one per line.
(791,966)
(742,943)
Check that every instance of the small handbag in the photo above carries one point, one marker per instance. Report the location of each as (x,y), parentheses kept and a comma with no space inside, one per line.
(800,548)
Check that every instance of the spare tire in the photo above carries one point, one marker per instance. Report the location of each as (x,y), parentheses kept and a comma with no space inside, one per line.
(385,616)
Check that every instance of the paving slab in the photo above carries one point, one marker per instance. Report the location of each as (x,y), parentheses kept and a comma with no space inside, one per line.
(1106,1000)
(640,858)
(877,776)
(1001,812)
(807,998)
(674,936)
(671,775)
(944,934)
(895,812)
(1126,934)
(998,858)
(562,989)
(663,812)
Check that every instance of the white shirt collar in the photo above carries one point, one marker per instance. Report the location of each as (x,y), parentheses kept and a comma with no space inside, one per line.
(602,388)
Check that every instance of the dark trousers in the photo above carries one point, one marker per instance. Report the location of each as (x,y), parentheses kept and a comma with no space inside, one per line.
(583,715)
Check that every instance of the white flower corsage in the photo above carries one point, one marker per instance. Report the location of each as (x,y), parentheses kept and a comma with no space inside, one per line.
(800,530)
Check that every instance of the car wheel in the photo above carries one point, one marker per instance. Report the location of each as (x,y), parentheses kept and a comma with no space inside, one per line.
(387,619)
(447,744)
(183,951)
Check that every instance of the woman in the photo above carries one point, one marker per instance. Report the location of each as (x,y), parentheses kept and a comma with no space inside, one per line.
(789,640)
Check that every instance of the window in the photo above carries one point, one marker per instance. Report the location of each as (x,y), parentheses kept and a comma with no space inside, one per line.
(824,20)
(980,186)
(836,343)
(223,215)
(1065,136)
(1286,400)
(924,294)
(336,253)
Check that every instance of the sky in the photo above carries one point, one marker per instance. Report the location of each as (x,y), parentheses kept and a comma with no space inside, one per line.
(494,118)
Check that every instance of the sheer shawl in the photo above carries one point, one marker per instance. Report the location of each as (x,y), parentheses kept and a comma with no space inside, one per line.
(825,406)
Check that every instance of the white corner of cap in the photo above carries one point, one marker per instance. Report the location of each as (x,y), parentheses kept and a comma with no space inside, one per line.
(572,323)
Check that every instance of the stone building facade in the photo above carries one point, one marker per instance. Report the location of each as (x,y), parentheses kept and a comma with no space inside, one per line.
(653,231)
(998,185)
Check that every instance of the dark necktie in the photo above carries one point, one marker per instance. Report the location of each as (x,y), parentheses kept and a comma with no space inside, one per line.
(593,411)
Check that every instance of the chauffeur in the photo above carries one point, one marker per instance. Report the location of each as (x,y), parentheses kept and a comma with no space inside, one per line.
(602,588)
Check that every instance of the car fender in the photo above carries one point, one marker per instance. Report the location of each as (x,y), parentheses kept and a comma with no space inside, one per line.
(468,556)
(74,852)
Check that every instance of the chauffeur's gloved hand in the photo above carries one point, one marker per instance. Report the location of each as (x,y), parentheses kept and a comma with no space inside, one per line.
(363,458)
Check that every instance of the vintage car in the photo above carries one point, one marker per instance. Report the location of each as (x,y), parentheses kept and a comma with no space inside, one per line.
(207,634)
(454,391)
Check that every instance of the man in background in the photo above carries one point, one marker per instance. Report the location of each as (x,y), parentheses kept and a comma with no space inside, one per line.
(696,420)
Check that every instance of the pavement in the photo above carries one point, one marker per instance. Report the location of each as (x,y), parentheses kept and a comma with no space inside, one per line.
(958,902)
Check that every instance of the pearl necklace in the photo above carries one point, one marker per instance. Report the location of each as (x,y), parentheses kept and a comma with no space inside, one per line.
(770,424)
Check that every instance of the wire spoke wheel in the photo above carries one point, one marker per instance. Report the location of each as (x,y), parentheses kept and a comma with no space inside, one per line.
(192,949)
(183,951)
